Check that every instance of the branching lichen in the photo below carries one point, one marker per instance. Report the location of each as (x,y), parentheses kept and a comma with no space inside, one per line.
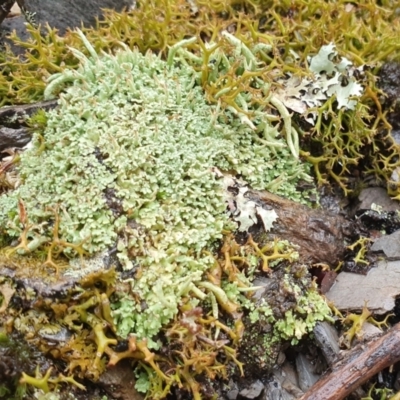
(362,245)
(357,321)
(42,382)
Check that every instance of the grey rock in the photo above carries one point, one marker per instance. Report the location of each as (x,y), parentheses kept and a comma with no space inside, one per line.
(396,136)
(232,394)
(233,391)
(60,14)
(389,82)
(16,24)
(378,196)
(395,177)
(368,332)
(288,373)
(253,391)
(327,340)
(389,244)
(275,391)
(284,384)
(305,370)
(379,289)
(63,14)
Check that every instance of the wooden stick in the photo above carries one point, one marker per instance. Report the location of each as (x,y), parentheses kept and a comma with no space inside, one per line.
(360,365)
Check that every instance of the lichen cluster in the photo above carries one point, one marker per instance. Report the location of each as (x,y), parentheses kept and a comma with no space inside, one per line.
(134,168)
(229,330)
(134,158)
(339,145)
(134,161)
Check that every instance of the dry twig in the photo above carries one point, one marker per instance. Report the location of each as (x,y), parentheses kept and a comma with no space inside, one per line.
(360,365)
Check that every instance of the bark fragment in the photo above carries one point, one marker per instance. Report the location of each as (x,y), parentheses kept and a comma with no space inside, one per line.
(320,234)
(14,116)
(360,365)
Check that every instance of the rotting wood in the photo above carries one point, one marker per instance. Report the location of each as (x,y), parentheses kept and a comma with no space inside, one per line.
(13,130)
(361,364)
(14,116)
(320,234)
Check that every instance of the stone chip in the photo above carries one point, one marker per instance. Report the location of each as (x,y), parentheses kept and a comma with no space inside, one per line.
(378,289)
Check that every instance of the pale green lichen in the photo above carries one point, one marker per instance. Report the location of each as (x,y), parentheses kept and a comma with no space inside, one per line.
(128,159)
(300,317)
(301,320)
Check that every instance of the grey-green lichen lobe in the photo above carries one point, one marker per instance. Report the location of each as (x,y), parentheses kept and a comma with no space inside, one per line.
(132,125)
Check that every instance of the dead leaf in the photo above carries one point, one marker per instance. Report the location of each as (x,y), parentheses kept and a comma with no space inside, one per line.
(7,292)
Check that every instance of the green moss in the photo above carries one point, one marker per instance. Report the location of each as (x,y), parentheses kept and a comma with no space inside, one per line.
(278,319)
